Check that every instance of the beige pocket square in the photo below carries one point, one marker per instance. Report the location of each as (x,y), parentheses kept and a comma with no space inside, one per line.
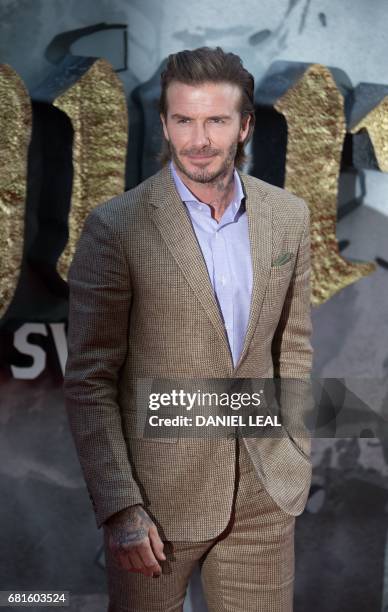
(282,259)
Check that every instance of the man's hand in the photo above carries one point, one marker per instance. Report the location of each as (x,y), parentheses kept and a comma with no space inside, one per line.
(134,541)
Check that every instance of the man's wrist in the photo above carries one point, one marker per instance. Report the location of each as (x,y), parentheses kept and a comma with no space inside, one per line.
(122,514)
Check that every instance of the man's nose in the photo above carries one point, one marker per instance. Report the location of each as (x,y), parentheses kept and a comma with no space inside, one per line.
(200,136)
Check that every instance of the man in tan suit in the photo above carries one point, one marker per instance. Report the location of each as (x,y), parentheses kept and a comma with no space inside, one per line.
(200,272)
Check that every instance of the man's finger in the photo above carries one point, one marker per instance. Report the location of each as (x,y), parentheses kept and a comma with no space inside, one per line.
(138,563)
(135,559)
(148,559)
(123,561)
(156,543)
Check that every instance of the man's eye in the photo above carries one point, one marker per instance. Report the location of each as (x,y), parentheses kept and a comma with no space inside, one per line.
(183,120)
(216,120)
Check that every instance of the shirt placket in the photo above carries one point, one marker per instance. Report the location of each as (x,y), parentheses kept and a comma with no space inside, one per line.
(223,283)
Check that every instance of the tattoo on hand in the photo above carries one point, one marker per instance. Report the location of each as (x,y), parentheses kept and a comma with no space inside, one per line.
(130,527)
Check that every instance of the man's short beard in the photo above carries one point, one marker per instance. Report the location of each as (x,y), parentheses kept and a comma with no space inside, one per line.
(203,176)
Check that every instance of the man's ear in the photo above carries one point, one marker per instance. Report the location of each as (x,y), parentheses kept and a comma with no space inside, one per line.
(162,119)
(245,125)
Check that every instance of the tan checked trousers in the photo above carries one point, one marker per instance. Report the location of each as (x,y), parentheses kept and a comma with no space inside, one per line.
(247,568)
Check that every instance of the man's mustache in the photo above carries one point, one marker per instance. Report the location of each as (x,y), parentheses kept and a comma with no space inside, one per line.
(208,151)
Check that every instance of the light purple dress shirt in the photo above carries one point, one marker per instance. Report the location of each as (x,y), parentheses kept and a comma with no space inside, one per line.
(226,249)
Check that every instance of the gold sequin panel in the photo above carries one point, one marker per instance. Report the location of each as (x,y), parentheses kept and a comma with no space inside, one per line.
(15,135)
(376,124)
(97,108)
(314,111)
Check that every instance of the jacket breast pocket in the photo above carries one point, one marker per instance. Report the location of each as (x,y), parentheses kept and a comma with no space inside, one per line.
(278,283)
(283,270)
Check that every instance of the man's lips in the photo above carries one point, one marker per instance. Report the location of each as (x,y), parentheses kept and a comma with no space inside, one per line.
(200,155)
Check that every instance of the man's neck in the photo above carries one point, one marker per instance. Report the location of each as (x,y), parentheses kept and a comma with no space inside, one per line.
(217,195)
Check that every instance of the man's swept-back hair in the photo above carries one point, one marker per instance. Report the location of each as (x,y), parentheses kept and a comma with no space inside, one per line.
(207,65)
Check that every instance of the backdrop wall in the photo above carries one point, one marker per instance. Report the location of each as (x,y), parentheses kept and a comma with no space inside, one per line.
(48,538)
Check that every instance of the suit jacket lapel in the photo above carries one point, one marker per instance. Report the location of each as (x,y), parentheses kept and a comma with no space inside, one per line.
(260,237)
(173,222)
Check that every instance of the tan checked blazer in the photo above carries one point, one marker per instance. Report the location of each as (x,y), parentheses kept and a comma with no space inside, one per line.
(142,305)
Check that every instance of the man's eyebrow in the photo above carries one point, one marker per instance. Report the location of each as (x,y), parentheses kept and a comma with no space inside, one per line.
(179,116)
(220,117)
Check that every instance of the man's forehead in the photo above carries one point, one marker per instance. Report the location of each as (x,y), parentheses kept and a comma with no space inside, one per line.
(204,96)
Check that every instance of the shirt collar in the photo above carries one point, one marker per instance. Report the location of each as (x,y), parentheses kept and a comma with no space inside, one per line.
(188,197)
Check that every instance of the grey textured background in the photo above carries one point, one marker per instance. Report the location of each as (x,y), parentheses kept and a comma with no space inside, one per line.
(48,538)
